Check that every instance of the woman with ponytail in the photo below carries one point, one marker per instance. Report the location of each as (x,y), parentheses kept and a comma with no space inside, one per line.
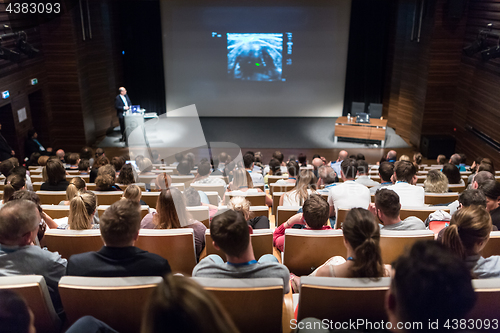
(467,235)
(361,239)
(81,212)
(13,183)
(76,185)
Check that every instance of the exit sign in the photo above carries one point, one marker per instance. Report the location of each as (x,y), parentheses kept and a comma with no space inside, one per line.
(34,81)
(5,94)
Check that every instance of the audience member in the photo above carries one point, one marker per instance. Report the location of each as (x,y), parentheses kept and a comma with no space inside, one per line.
(32,145)
(386,208)
(19,224)
(406,178)
(293,170)
(453,174)
(391,157)
(162,181)
(171,213)
(360,157)
(72,162)
(317,162)
(105,180)
(15,315)
(385,172)
(33,160)
(134,193)
(417,160)
(81,212)
(248,161)
(337,164)
(302,159)
(42,161)
(196,198)
(404,158)
(455,160)
(304,187)
(363,177)
(314,216)
(84,167)
(120,226)
(231,234)
(242,205)
(184,168)
(274,170)
(127,175)
(178,159)
(6,167)
(118,162)
(76,185)
(441,159)
(436,182)
(242,184)
(481,178)
(327,178)
(491,190)
(60,154)
(203,176)
(99,162)
(56,176)
(13,183)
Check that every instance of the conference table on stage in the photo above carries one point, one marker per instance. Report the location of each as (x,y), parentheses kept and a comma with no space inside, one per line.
(375,130)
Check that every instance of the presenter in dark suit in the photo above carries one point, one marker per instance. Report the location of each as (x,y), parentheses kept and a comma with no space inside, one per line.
(122,104)
(6,151)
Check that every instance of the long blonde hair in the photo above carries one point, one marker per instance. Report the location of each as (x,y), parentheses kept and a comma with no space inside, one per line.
(171,212)
(241,178)
(306,180)
(81,208)
(133,192)
(240,204)
(75,185)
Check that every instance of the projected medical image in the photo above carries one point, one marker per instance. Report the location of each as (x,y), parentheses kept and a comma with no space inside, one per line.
(255,56)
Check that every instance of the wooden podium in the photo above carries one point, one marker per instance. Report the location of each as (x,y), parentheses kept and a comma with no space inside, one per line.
(375,130)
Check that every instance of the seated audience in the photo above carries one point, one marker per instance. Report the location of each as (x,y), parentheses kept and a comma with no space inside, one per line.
(248,161)
(337,164)
(13,183)
(178,159)
(61,156)
(317,162)
(56,176)
(196,198)
(76,185)
(293,170)
(274,170)
(453,174)
(184,168)
(363,177)
(360,157)
(491,190)
(385,172)
(404,158)
(405,177)
(32,145)
(162,181)
(84,167)
(455,160)
(361,239)
(127,175)
(99,162)
(19,225)
(391,156)
(203,176)
(436,182)
(467,235)
(304,187)
(314,216)
(82,209)
(386,208)
(417,160)
(242,205)
(280,157)
(134,193)
(181,305)
(302,159)
(117,162)
(327,178)
(231,234)
(242,184)
(145,166)
(105,180)
(72,161)
(441,160)
(119,226)
(33,160)
(348,194)
(171,213)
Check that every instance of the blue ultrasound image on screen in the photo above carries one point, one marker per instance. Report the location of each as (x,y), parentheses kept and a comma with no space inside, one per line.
(255,56)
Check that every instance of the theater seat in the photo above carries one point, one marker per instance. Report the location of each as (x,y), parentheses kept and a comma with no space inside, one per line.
(56,211)
(487,307)
(262,243)
(284,213)
(108,197)
(220,189)
(102,208)
(51,197)
(394,243)
(69,242)
(200,213)
(258,199)
(492,247)
(440,198)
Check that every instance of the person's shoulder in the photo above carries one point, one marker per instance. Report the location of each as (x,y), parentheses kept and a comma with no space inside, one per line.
(415,222)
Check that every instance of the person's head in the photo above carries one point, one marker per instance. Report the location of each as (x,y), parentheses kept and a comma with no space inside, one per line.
(179,304)
(385,171)
(240,204)
(6,167)
(274,167)
(32,134)
(326,174)
(99,152)
(230,232)
(179,157)
(452,173)
(293,169)
(360,156)
(204,169)
(417,158)
(362,234)
(441,159)
(436,182)
(100,161)
(278,155)
(33,161)
(248,160)
(84,165)
(120,223)
(192,196)
(55,171)
(145,165)
(405,171)
(106,176)
(86,153)
(76,185)
(491,190)
(486,167)
(305,181)
(404,158)
(302,159)
(362,167)
(184,167)
(258,157)
(472,197)
(223,158)
(349,168)
(455,159)
(292,157)
(316,211)
(392,155)
(117,162)
(317,162)
(241,179)
(13,183)
(133,193)
(126,176)
(171,210)
(342,155)
(81,210)
(15,315)
(73,159)
(481,178)
(429,284)
(42,161)
(60,154)
(463,158)
(468,232)
(122,91)
(19,220)
(163,181)
(155,155)
(490,162)
(387,204)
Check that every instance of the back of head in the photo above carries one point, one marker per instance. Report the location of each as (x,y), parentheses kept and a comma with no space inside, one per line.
(491,189)
(117,162)
(100,161)
(455,159)
(293,168)
(482,177)
(126,175)
(99,152)
(360,156)
(222,158)
(204,169)
(230,232)
(42,161)
(472,197)
(120,223)
(404,158)
(388,202)
(306,181)
(73,158)
(163,181)
(362,167)
(452,173)
(192,197)
(179,304)
(240,204)
(436,182)
(316,211)
(171,210)
(486,167)
(488,161)
(240,179)
(84,165)
(133,193)
(417,158)
(17,217)
(81,208)
(302,159)
(13,183)
(274,167)
(386,170)
(14,313)
(404,171)
(343,155)
(179,157)
(349,167)
(363,234)
(392,155)
(75,185)
(279,156)
(27,195)
(441,159)
(430,284)
(145,165)
(184,167)
(248,160)
(86,153)
(463,158)
(6,167)
(469,226)
(55,171)
(106,176)
(327,174)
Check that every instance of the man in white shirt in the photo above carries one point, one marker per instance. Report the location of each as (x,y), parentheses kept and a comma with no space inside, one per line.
(405,176)
(203,176)
(348,194)
(337,164)
(387,207)
(363,177)
(257,178)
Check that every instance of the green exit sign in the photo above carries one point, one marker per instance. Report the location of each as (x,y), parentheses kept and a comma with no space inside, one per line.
(34,81)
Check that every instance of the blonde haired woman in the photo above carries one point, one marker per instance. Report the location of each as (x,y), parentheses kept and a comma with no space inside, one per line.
(242,184)
(81,212)
(436,182)
(76,185)
(134,193)
(305,186)
(242,205)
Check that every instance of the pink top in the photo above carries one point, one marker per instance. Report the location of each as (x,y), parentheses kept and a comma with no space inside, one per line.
(279,235)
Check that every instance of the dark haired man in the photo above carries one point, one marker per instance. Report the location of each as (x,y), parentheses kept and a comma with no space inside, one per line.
(231,234)
(363,177)
(184,168)
(386,208)
(203,176)
(293,170)
(385,172)
(248,161)
(405,176)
